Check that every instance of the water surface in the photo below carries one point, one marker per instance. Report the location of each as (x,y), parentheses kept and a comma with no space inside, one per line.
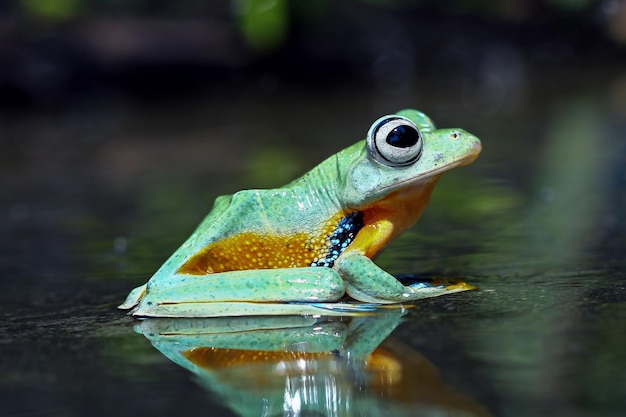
(94,199)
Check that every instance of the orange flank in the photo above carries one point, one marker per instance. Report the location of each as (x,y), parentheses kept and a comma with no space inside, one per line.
(211,358)
(387,218)
(252,250)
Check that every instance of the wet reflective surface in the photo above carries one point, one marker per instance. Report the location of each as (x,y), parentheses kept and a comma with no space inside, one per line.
(305,365)
(94,199)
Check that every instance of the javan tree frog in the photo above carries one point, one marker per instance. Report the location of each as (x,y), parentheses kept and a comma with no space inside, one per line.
(281,251)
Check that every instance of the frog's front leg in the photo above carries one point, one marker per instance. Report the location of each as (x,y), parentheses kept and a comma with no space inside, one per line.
(238,292)
(367,282)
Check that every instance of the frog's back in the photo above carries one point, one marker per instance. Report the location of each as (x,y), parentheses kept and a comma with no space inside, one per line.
(279,211)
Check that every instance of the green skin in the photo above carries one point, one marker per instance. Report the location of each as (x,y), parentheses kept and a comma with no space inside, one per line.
(351,180)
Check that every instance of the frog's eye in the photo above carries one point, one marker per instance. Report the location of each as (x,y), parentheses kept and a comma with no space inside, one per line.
(394,141)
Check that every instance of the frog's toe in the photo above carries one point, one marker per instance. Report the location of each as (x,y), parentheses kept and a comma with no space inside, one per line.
(460,286)
(134,297)
(424,285)
(434,288)
(354,308)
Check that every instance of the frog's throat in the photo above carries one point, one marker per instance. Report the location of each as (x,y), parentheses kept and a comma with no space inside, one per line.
(388,217)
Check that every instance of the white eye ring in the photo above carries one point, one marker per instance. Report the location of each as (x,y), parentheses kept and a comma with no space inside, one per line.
(394,141)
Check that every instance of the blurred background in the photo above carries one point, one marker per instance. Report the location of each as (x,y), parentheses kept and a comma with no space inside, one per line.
(121,121)
(60,52)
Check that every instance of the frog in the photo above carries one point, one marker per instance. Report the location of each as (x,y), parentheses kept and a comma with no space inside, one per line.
(310,245)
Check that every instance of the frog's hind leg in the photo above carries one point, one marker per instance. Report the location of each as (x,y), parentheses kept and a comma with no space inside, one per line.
(239,292)
(368,283)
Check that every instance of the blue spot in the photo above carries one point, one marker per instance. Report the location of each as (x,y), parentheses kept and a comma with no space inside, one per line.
(340,239)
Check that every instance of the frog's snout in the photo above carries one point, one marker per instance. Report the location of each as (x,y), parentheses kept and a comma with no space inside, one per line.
(468,146)
(475,150)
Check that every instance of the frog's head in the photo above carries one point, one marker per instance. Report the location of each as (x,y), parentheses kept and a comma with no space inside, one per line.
(401,159)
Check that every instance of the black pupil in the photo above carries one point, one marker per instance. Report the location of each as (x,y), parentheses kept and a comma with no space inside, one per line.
(403,136)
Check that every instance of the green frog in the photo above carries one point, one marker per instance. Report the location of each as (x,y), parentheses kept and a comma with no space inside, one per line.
(306,247)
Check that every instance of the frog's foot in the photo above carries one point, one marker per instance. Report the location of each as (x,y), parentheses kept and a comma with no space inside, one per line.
(368,283)
(428,284)
(355,308)
(239,293)
(134,297)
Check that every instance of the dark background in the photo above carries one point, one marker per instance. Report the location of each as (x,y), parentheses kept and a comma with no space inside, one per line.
(121,121)
(64,52)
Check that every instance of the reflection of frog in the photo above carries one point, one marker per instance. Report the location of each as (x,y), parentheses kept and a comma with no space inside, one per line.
(294,365)
(312,240)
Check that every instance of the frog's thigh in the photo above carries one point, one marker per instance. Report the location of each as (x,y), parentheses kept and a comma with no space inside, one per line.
(309,284)
(367,282)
